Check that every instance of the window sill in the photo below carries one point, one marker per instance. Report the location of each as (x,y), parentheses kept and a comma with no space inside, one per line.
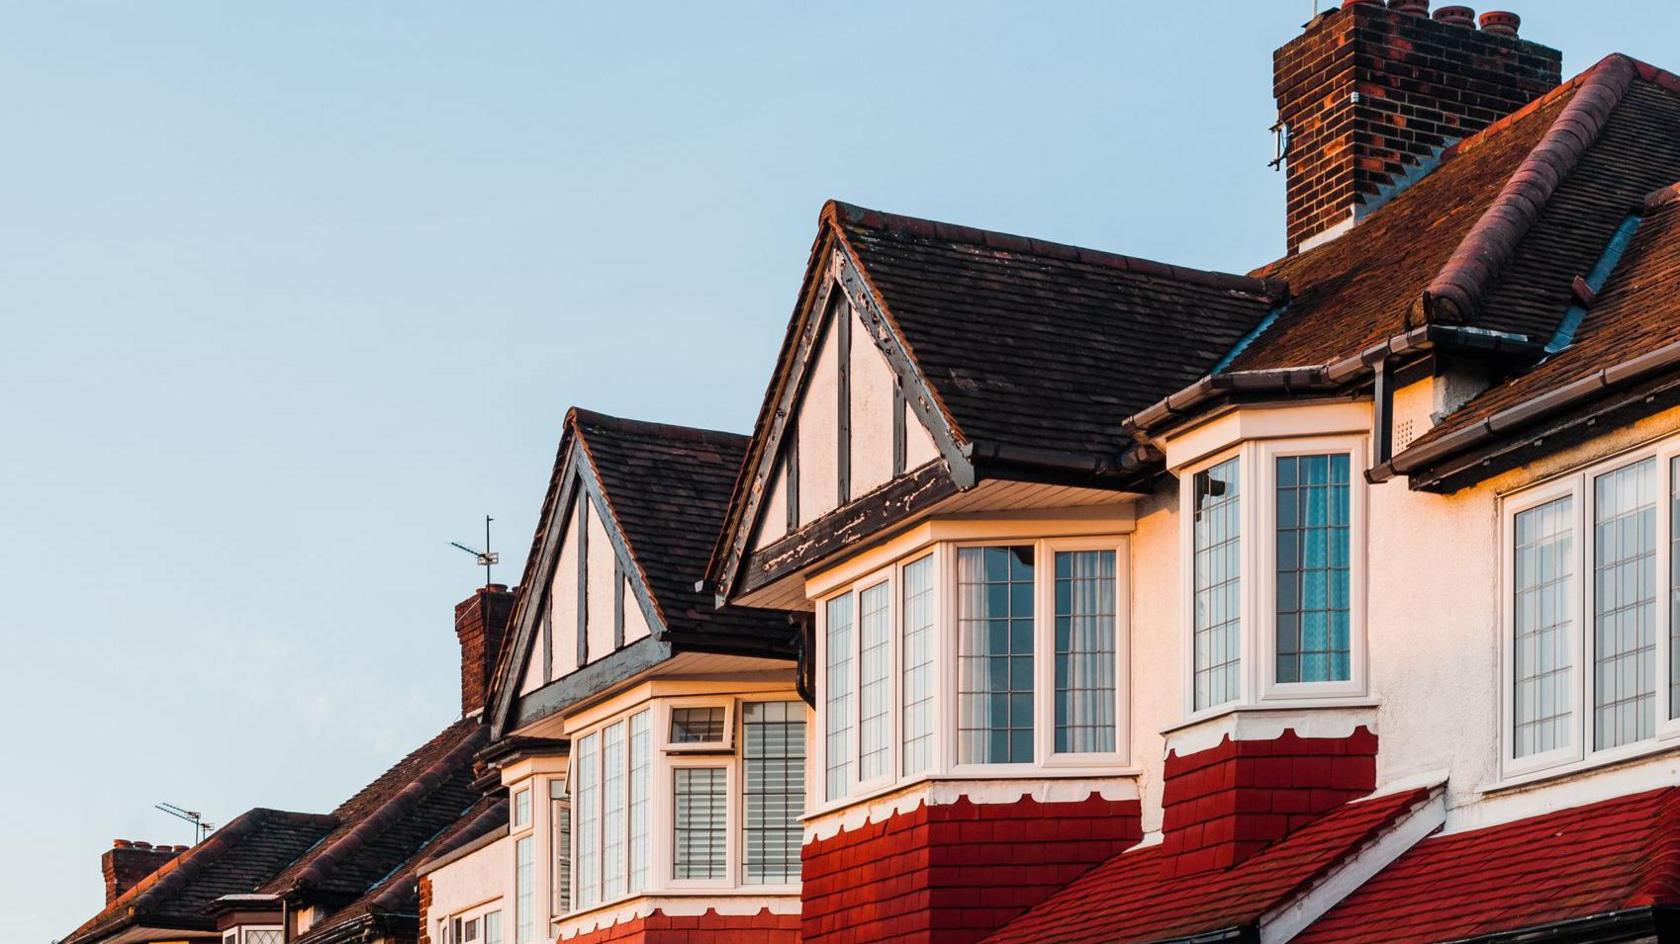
(974,775)
(677,891)
(1316,718)
(1625,756)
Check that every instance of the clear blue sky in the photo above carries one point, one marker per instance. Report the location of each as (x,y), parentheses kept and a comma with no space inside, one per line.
(294,293)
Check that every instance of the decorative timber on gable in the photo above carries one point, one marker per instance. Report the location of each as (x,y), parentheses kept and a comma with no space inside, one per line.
(586,615)
(851,436)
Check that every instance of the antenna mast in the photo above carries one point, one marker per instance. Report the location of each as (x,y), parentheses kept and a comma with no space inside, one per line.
(486,557)
(201,829)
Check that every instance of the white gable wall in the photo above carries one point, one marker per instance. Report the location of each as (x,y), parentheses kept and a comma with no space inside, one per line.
(635,621)
(602,557)
(819,430)
(872,389)
(562,595)
(919,449)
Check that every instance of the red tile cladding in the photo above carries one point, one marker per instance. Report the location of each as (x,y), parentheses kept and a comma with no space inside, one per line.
(709,928)
(1225,804)
(1619,854)
(952,874)
(1135,898)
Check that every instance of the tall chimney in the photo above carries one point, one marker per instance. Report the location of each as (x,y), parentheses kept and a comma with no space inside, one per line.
(128,862)
(1370,95)
(481,621)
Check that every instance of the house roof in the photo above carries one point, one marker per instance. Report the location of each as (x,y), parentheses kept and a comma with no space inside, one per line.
(395,898)
(1545,870)
(233,860)
(381,826)
(1039,345)
(668,489)
(1134,898)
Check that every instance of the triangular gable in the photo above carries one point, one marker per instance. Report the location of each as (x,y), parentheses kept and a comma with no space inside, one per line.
(848,410)
(584,596)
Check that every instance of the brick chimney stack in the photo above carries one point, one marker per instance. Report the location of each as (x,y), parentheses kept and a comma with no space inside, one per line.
(128,862)
(1371,94)
(481,621)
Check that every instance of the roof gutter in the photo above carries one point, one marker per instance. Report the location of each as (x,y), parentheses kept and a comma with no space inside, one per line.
(1529,411)
(1610,926)
(1331,375)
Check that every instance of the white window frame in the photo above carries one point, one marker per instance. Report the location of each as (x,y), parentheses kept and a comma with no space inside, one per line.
(667,843)
(667,712)
(738,798)
(944,714)
(1265,589)
(1257,571)
(514,826)
(1579,483)
(657,715)
(1574,751)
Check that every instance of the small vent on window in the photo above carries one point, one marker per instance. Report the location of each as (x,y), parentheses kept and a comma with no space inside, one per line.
(1404,432)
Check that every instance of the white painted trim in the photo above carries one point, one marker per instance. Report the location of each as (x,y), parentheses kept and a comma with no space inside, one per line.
(1331,234)
(1280,925)
(744,903)
(1268,723)
(1257,422)
(984,792)
(1655,766)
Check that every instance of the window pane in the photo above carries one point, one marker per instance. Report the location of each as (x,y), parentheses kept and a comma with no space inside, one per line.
(263,937)
(493,928)
(1217,568)
(522,809)
(588,798)
(995,655)
(697,725)
(874,684)
(700,826)
(917,662)
(613,797)
(560,879)
(524,900)
(641,737)
(773,762)
(1674,591)
(1542,659)
(1312,605)
(837,685)
(1624,605)
(1085,625)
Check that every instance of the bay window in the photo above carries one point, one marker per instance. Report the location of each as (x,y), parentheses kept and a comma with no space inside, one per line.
(974,659)
(1275,534)
(1583,558)
(610,806)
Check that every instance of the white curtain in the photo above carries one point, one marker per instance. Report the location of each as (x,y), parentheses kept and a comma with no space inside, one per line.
(1085,650)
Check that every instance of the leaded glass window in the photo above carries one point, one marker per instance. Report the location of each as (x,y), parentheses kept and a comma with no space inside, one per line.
(697,725)
(1217,567)
(1313,573)
(700,825)
(1542,574)
(1624,605)
(837,684)
(916,685)
(874,682)
(995,655)
(1085,653)
(773,766)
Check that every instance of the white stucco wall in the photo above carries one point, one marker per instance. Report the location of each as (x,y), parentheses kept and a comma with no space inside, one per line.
(772,513)
(635,621)
(480,878)
(602,572)
(818,428)
(872,390)
(918,442)
(563,601)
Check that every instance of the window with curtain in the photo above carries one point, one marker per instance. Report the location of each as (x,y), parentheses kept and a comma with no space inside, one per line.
(700,826)
(614,807)
(641,751)
(1543,644)
(1624,605)
(773,768)
(1085,652)
(995,655)
(524,897)
(587,797)
(1312,608)
(916,684)
(837,685)
(874,682)
(560,843)
(1217,569)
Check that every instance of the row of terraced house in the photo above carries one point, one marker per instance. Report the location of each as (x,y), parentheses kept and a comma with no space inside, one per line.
(1063,596)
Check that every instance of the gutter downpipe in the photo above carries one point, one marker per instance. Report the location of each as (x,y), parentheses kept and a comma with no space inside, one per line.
(1534,408)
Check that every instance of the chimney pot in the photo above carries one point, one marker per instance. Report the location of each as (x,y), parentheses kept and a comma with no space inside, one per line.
(1456,16)
(1354,3)
(121,844)
(1410,7)
(142,845)
(1501,23)
(129,861)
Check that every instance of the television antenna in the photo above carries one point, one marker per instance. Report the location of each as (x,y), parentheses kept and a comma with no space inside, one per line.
(201,829)
(486,557)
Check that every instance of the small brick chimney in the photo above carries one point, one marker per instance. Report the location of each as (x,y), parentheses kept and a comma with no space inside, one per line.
(481,621)
(1370,95)
(128,862)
